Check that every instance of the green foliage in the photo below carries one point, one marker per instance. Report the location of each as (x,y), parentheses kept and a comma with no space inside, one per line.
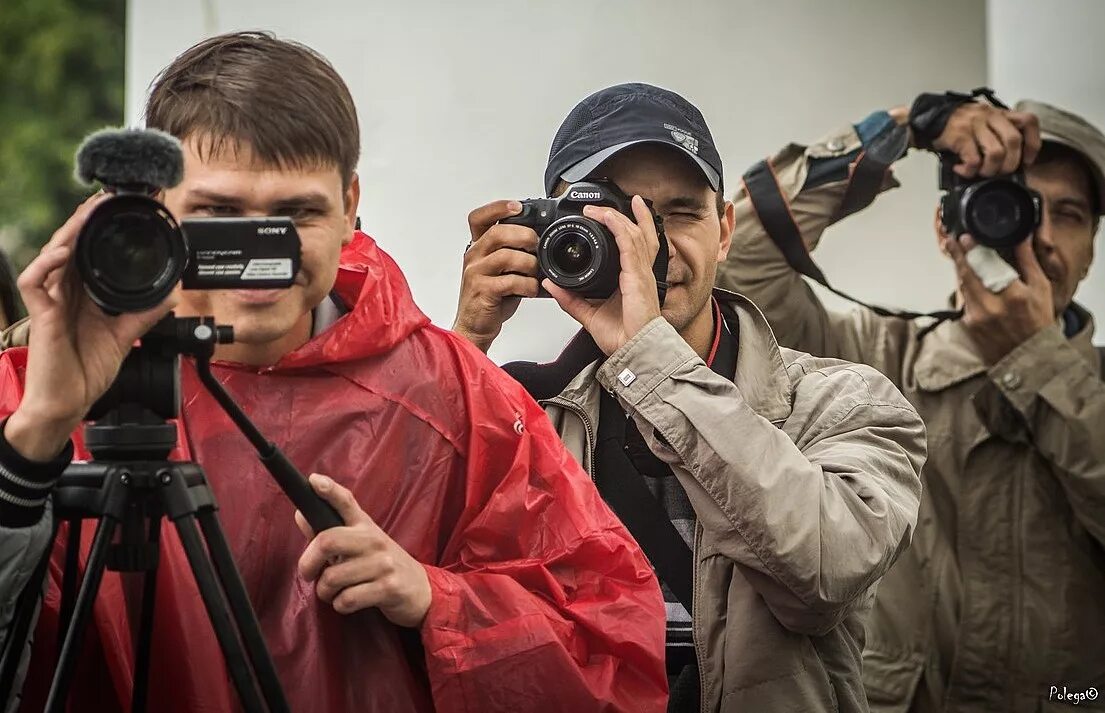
(61,76)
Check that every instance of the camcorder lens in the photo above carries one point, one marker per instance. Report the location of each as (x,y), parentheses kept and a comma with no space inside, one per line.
(133,252)
(130,254)
(572,254)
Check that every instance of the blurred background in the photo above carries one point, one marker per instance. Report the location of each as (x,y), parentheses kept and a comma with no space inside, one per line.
(458,103)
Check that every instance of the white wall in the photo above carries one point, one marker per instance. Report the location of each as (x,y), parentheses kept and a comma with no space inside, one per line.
(1054,51)
(459,101)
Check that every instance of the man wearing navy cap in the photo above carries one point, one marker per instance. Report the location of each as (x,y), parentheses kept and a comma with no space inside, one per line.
(788,484)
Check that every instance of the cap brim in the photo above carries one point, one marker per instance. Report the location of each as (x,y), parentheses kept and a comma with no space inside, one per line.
(584,168)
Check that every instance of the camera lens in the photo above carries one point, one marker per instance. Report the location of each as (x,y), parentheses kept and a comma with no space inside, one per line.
(572,254)
(999,213)
(130,254)
(579,254)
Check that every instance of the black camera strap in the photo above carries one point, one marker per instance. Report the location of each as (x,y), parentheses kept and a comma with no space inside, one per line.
(624,489)
(866,175)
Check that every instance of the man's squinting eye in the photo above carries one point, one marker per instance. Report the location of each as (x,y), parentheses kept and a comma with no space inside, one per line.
(1072,215)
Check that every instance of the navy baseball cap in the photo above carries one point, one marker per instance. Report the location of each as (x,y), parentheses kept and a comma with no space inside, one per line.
(621,116)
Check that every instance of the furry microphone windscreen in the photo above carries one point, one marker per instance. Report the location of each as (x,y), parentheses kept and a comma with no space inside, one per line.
(128,157)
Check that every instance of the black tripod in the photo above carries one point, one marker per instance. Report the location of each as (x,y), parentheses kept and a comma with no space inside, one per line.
(130,486)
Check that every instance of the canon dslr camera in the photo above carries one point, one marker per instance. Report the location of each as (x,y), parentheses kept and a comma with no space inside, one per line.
(131,252)
(574,251)
(998,212)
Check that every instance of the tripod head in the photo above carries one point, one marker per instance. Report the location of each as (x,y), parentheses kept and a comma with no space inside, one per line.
(130,421)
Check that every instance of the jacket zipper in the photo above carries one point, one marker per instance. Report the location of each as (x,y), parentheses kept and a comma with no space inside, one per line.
(564,403)
(695,624)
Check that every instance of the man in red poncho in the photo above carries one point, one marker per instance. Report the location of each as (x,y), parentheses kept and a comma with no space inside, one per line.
(478,569)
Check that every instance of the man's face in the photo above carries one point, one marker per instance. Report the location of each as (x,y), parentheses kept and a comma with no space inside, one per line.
(267,323)
(1064,240)
(698,238)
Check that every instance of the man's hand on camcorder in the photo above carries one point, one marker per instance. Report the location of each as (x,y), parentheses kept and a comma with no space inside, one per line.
(989,141)
(998,323)
(500,267)
(75,350)
(616,320)
(358,566)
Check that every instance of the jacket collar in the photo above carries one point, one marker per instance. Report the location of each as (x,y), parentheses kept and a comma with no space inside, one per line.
(761,373)
(948,356)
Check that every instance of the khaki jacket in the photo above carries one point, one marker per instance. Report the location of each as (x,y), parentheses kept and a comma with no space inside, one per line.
(1002,595)
(804,479)
(16,334)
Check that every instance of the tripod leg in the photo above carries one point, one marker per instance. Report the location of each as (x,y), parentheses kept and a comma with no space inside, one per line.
(242,611)
(145,628)
(69,580)
(216,611)
(74,633)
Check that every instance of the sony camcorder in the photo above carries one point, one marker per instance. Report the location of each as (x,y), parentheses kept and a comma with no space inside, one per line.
(131,252)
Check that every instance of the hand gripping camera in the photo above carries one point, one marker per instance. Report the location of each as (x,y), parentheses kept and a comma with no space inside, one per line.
(576,252)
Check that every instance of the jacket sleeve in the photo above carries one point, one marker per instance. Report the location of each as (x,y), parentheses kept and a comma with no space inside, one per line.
(1059,398)
(26,526)
(813,180)
(541,592)
(813,514)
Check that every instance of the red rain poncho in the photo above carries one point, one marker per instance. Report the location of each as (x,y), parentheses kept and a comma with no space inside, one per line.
(541,601)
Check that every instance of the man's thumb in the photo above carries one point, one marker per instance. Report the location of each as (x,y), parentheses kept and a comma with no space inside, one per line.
(340,498)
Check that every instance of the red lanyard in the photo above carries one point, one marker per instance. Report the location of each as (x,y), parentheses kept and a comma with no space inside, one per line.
(717,334)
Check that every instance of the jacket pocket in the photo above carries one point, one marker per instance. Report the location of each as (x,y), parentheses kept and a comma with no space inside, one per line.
(890,680)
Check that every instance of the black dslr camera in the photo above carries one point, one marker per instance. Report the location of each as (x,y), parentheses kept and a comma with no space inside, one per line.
(131,252)
(998,212)
(573,251)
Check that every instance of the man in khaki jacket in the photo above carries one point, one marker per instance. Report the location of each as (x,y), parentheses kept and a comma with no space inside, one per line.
(999,605)
(793,479)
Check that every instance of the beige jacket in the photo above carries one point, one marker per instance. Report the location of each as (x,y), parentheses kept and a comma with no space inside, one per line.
(1002,595)
(804,478)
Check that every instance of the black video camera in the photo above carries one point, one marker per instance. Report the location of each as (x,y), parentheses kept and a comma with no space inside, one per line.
(998,212)
(574,251)
(131,252)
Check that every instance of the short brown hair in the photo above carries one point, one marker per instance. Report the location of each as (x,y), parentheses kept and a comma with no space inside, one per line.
(282,98)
